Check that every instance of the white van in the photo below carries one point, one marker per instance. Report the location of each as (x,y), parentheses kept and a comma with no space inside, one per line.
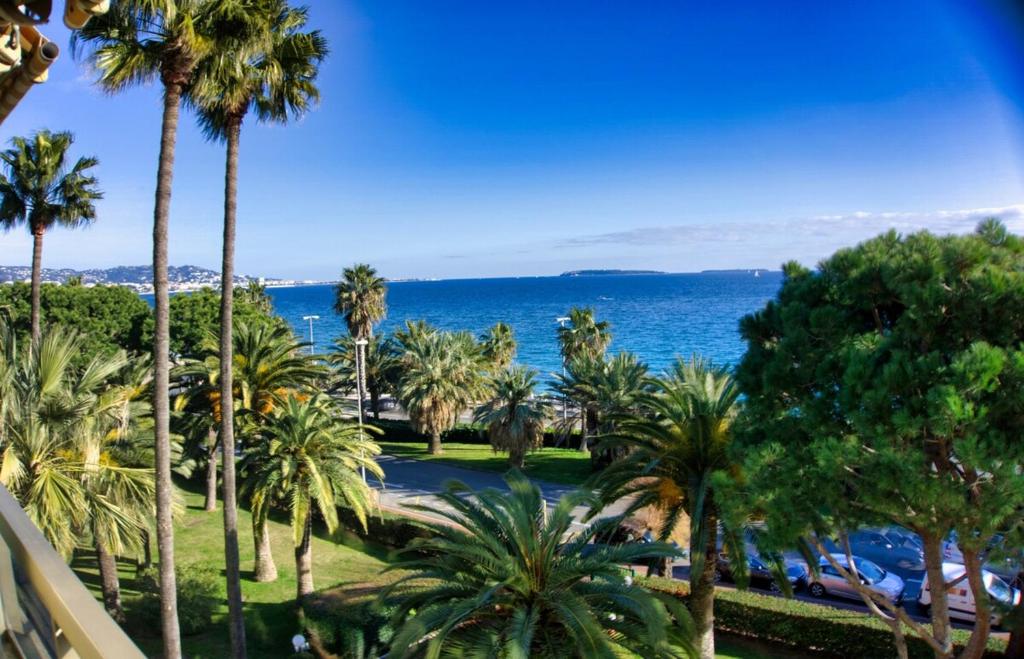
(961,599)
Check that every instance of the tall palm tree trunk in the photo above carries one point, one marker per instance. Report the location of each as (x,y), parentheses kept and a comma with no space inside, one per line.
(110,584)
(227,414)
(435,443)
(702,585)
(213,446)
(37,277)
(264,569)
(304,559)
(161,366)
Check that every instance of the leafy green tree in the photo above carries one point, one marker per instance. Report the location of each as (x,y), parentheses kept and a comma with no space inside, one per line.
(270,70)
(673,452)
(255,295)
(194,316)
(442,374)
(513,586)
(41,189)
(887,386)
(134,43)
(514,417)
(381,367)
(108,318)
(499,346)
(310,458)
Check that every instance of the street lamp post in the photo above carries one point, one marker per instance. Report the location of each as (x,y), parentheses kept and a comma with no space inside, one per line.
(311,319)
(562,320)
(360,345)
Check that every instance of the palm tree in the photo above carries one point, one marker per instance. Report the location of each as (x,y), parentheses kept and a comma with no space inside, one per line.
(442,374)
(499,346)
(136,42)
(583,336)
(360,297)
(198,413)
(309,457)
(514,418)
(42,189)
(255,295)
(511,585)
(270,71)
(380,366)
(61,456)
(674,452)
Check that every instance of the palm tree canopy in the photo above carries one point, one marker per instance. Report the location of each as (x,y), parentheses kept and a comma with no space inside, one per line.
(41,188)
(499,345)
(676,445)
(66,441)
(381,364)
(502,580)
(442,373)
(584,335)
(360,298)
(268,63)
(608,388)
(514,417)
(309,457)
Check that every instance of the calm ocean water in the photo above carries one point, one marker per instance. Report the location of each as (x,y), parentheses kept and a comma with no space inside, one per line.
(658,317)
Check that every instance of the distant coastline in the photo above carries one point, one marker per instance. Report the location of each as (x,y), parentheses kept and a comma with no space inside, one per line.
(602,273)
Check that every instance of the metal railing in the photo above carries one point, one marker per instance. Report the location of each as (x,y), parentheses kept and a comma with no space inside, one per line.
(45,611)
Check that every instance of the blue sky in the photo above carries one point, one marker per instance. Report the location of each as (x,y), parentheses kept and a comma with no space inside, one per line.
(460,139)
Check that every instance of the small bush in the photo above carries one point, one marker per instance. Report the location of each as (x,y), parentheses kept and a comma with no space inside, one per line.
(390,530)
(198,599)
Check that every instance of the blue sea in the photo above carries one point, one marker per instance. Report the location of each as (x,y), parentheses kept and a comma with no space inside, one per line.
(658,317)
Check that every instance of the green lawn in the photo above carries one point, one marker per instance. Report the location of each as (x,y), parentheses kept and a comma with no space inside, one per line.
(344,572)
(555,465)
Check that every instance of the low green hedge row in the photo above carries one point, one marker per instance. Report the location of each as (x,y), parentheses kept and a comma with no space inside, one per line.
(401,431)
(383,528)
(808,626)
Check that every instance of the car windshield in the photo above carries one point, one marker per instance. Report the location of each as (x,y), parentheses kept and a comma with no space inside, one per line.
(998,589)
(870,571)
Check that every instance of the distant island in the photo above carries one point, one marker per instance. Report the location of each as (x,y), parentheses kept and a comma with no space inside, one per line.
(138,277)
(598,273)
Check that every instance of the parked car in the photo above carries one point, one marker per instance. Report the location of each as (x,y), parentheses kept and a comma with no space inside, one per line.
(961,599)
(830,582)
(903,537)
(998,560)
(886,549)
(760,574)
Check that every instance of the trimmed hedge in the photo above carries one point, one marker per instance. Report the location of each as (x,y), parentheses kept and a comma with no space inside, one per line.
(394,531)
(807,626)
(400,431)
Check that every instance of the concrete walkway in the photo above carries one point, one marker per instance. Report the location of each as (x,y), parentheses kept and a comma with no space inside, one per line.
(408,481)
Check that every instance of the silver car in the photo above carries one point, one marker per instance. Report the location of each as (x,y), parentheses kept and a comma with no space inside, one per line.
(830,582)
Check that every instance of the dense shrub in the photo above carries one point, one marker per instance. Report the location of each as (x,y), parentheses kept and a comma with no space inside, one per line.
(401,431)
(359,631)
(198,599)
(808,626)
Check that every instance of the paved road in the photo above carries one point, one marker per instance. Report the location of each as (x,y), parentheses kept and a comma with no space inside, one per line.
(408,481)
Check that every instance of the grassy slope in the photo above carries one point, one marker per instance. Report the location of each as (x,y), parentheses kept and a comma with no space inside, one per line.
(555,465)
(269,607)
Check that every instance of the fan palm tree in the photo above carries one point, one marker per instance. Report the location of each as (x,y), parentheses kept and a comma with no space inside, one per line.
(269,71)
(674,453)
(42,189)
(136,42)
(380,366)
(514,418)
(584,335)
(360,297)
(60,455)
(442,374)
(499,346)
(511,586)
(310,458)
